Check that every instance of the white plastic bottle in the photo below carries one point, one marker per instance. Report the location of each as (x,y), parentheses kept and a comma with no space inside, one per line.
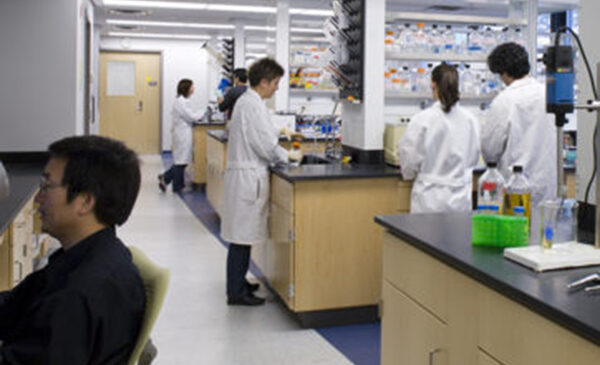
(490,187)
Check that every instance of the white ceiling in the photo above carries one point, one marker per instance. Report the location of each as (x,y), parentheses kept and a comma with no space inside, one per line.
(467,7)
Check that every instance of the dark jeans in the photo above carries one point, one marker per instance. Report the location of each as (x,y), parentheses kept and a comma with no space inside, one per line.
(175,174)
(238,261)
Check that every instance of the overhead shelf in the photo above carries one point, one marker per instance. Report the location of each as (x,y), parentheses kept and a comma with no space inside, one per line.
(400,56)
(313,91)
(306,65)
(445,18)
(426,96)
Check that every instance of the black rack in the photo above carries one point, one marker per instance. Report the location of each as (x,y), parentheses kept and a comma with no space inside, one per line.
(228,52)
(347,28)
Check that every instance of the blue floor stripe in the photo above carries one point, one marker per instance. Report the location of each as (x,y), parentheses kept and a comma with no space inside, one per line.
(360,343)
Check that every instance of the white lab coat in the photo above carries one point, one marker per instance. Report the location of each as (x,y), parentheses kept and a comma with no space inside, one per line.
(439,150)
(518,131)
(184,118)
(253,146)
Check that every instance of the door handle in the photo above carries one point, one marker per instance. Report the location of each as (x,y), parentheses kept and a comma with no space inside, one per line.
(431,355)
(140,106)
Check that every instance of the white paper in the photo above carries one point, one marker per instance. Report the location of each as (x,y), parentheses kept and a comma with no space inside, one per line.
(120,78)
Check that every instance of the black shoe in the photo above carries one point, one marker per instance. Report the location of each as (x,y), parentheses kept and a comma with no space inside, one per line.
(162,185)
(248,299)
(252,287)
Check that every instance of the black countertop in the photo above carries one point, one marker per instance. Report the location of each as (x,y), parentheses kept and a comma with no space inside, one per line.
(222,136)
(335,171)
(447,237)
(214,123)
(24,179)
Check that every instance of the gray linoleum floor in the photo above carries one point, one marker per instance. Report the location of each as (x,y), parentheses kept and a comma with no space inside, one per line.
(195,325)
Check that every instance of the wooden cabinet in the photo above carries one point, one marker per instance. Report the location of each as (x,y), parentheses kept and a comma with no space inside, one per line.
(200,152)
(325,251)
(216,158)
(428,305)
(18,250)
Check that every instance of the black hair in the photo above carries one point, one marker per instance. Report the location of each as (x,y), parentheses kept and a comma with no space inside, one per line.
(265,68)
(511,58)
(445,78)
(183,87)
(241,74)
(104,168)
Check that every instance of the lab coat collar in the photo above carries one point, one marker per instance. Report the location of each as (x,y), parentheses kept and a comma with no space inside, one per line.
(524,81)
(253,93)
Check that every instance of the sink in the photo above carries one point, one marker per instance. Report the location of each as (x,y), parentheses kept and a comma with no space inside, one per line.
(314,160)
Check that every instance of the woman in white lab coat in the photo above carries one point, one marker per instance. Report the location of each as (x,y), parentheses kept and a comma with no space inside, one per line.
(440,148)
(517,129)
(253,146)
(182,136)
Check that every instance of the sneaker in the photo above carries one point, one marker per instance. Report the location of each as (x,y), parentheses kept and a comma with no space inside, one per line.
(162,185)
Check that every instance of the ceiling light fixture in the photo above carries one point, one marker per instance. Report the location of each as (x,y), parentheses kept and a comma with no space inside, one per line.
(213,7)
(170,24)
(159,35)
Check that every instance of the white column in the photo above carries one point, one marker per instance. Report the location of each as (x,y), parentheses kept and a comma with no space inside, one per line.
(239,52)
(282,53)
(364,123)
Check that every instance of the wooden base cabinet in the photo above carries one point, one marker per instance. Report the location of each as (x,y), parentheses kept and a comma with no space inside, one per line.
(17,249)
(325,250)
(200,152)
(216,158)
(429,306)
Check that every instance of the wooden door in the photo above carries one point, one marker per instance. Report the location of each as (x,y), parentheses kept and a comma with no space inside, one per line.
(130,99)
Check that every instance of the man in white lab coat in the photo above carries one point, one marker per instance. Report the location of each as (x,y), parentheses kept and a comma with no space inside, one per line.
(518,131)
(253,146)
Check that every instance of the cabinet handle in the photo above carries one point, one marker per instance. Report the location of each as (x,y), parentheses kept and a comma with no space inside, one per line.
(20,271)
(432,354)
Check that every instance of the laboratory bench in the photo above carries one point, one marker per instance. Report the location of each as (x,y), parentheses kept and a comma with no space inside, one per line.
(200,130)
(20,239)
(447,301)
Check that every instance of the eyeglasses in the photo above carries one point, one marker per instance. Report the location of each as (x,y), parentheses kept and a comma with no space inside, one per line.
(46,185)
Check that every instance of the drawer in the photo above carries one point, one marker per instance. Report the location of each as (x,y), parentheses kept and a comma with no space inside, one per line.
(514,335)
(409,333)
(418,275)
(282,193)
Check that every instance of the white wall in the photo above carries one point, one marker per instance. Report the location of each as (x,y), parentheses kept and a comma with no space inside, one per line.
(180,59)
(38,86)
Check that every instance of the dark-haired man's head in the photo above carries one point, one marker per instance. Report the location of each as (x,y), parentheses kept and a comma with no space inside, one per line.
(240,76)
(510,61)
(89,183)
(264,76)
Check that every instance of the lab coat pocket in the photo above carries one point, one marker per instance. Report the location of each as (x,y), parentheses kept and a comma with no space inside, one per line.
(250,190)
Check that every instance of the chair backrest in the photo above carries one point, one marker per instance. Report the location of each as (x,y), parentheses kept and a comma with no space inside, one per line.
(156,282)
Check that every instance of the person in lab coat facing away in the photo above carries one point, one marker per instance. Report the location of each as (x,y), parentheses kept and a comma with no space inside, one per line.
(184,118)
(440,148)
(517,130)
(253,146)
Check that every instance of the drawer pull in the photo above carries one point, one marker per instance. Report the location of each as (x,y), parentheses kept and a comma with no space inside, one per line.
(432,354)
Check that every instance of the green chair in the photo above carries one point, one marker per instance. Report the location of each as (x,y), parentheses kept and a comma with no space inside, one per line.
(156,283)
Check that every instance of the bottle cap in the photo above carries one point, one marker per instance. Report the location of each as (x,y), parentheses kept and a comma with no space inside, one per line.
(296,144)
(519,210)
(494,207)
(492,164)
(483,207)
(517,168)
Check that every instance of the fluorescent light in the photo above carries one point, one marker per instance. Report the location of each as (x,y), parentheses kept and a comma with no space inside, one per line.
(259,27)
(159,35)
(308,39)
(170,24)
(311,12)
(257,55)
(213,7)
(306,30)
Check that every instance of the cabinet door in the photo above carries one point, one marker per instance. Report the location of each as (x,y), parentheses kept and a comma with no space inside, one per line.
(5,261)
(485,359)
(280,254)
(403,197)
(410,334)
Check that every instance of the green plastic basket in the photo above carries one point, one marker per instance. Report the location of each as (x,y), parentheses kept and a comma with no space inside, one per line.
(499,230)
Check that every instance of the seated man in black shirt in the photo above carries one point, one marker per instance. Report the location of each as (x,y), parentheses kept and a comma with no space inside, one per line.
(240,79)
(86,305)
